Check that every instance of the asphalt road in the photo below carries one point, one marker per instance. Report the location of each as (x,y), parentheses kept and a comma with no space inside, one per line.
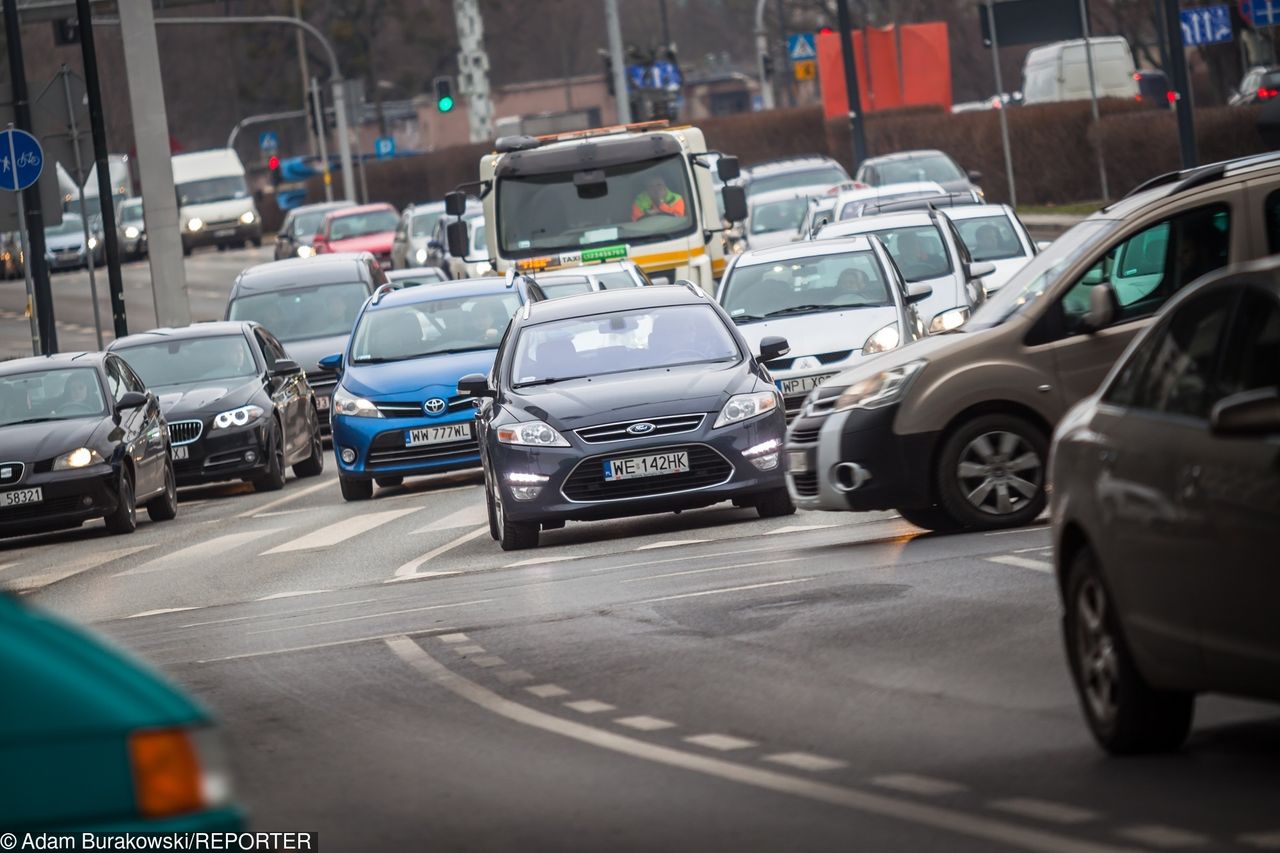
(387,676)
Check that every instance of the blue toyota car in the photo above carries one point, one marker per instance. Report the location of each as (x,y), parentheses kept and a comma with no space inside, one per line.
(396,411)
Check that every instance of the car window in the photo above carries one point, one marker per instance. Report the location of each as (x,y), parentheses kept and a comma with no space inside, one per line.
(936,167)
(458,324)
(184,361)
(805,285)
(424,223)
(565,286)
(1251,360)
(1180,374)
(303,313)
(1272,213)
(50,395)
(271,357)
(990,238)
(615,280)
(919,251)
(1149,267)
(352,225)
(132,382)
(800,178)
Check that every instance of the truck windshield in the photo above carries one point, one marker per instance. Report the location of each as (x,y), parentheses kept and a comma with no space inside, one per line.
(634,202)
(212,189)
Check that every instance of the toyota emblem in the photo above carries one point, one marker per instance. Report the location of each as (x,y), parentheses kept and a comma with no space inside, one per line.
(642,428)
(435,406)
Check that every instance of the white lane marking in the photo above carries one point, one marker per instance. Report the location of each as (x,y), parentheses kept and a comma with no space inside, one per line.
(1016,530)
(453,638)
(537,561)
(910,783)
(685,558)
(644,723)
(1038,548)
(590,706)
(720,743)
(341,531)
(310,646)
(199,554)
(513,676)
(1158,835)
(672,543)
(488,661)
(289,498)
(547,691)
(371,616)
(1044,810)
(712,569)
(948,820)
(300,592)
(469,650)
(4,566)
(285,614)
(158,612)
(466,517)
(73,567)
(281,512)
(409,570)
(806,761)
(720,591)
(799,528)
(1263,840)
(1021,562)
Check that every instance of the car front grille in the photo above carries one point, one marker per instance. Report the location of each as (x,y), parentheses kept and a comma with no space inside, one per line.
(410,409)
(28,512)
(666,425)
(323,382)
(824,358)
(804,431)
(388,449)
(11,472)
(806,484)
(185,432)
(587,482)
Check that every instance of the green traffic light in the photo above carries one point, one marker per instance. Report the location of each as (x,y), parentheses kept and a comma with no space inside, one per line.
(445,104)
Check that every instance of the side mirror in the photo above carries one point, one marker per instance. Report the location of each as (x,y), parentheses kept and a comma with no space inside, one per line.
(981,270)
(727,168)
(456,232)
(331,362)
(131,400)
(1041,245)
(455,203)
(1102,308)
(660,280)
(735,203)
(773,347)
(918,293)
(434,245)
(1247,413)
(475,385)
(975,177)
(286,367)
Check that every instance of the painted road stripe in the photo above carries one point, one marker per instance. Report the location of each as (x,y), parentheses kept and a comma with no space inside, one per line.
(371,616)
(720,743)
(1166,837)
(199,555)
(334,534)
(469,650)
(158,612)
(73,567)
(466,517)
(671,543)
(537,561)
(912,784)
(712,569)
(300,592)
(513,676)
(409,570)
(799,528)
(806,761)
(1016,530)
(719,591)
(645,724)
(283,615)
(459,637)
(547,691)
(1021,562)
(289,498)
(1044,810)
(281,512)
(590,706)
(310,646)
(488,661)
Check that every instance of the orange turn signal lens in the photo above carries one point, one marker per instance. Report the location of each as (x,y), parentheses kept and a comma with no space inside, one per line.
(166,772)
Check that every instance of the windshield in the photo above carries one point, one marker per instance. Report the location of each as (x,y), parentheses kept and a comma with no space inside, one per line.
(805,285)
(303,313)
(614,280)
(461,324)
(70,224)
(564,286)
(855,208)
(425,275)
(779,215)
(990,238)
(93,205)
(131,213)
(360,224)
(800,178)
(1040,274)
(423,223)
(479,239)
(51,395)
(621,342)
(307,224)
(212,189)
(918,250)
(936,167)
(633,202)
(180,362)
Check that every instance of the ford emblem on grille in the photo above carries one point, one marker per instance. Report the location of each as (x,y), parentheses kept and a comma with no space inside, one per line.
(435,406)
(641,428)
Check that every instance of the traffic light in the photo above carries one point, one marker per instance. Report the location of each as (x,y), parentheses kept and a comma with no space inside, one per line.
(766,65)
(607,58)
(444,93)
(66,31)
(273,163)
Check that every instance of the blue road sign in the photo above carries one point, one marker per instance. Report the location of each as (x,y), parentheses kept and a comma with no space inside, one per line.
(801,46)
(384,147)
(289,199)
(1205,25)
(268,140)
(1261,13)
(21,160)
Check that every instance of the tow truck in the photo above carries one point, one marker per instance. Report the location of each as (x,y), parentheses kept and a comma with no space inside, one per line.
(570,199)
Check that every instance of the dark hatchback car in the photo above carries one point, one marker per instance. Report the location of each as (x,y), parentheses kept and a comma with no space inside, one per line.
(309,304)
(237,407)
(1166,516)
(81,437)
(298,231)
(624,403)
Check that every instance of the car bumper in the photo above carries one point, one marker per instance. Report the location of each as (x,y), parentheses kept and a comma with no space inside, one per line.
(891,470)
(213,235)
(381,451)
(575,489)
(68,499)
(66,261)
(225,454)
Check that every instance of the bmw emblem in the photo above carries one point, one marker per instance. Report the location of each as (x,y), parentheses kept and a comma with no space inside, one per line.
(435,406)
(642,428)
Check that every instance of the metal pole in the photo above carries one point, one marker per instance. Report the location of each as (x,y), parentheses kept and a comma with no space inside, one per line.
(261,119)
(364,181)
(1093,101)
(32,214)
(26,267)
(762,50)
(318,105)
(1004,118)
(305,76)
(344,138)
(98,129)
(1181,84)
(851,84)
(81,177)
(666,27)
(614,26)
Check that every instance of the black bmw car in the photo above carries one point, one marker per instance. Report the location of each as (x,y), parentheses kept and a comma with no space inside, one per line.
(80,438)
(624,403)
(237,406)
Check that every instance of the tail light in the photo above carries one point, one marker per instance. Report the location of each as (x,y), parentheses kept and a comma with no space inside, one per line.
(1265,94)
(176,771)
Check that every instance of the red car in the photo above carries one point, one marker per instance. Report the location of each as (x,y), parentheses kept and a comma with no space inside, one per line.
(368,228)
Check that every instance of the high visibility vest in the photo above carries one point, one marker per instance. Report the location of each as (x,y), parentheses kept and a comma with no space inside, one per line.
(673,205)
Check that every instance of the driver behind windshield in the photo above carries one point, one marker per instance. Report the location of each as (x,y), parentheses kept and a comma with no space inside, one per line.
(855,287)
(78,395)
(656,199)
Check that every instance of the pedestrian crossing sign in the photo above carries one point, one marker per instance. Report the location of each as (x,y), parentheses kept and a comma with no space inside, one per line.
(800,47)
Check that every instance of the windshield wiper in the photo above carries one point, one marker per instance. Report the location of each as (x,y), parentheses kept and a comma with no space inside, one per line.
(745,318)
(550,380)
(800,309)
(32,421)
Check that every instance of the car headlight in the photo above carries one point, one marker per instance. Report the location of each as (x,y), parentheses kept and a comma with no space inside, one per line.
(81,457)
(131,233)
(531,434)
(883,340)
(421,256)
(743,407)
(248,217)
(195,223)
(305,251)
(353,406)
(242,416)
(93,242)
(948,320)
(176,771)
(879,390)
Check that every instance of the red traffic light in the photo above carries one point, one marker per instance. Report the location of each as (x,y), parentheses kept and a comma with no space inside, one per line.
(273,162)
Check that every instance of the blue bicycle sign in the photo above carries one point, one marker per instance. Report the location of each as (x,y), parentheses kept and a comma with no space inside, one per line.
(21,160)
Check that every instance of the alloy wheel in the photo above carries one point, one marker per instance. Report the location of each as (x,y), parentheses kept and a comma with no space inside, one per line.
(1096,652)
(999,472)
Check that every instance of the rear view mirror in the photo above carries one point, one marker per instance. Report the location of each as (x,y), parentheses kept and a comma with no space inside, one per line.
(455,203)
(918,292)
(773,347)
(981,270)
(1247,413)
(475,385)
(735,203)
(1041,245)
(331,362)
(975,177)
(1102,308)
(286,367)
(131,400)
(727,168)
(456,232)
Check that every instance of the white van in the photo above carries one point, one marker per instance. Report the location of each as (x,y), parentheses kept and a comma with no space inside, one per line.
(1060,71)
(214,204)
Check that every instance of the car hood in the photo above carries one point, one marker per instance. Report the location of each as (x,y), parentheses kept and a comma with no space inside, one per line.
(309,352)
(1006,268)
(216,211)
(960,185)
(639,394)
(379,243)
(435,375)
(770,239)
(54,242)
(36,442)
(179,400)
(829,331)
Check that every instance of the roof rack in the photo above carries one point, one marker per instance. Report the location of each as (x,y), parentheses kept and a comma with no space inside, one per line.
(382,291)
(1189,179)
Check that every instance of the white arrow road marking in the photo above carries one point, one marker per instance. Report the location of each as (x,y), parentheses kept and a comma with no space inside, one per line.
(410,571)
(327,537)
(74,567)
(200,553)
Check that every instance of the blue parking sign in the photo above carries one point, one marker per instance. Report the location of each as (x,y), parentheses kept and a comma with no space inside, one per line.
(21,159)
(384,146)
(1205,25)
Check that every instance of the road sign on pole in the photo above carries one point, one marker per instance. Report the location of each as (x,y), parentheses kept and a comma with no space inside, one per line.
(805,69)
(801,48)
(1261,13)
(268,141)
(21,159)
(1205,25)
(384,147)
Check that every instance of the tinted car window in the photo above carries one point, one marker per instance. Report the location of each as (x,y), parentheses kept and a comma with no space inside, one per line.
(937,168)
(919,251)
(1251,360)
(791,180)
(306,312)
(568,286)
(990,238)
(778,215)
(430,328)
(359,224)
(187,360)
(614,280)
(50,395)
(1184,359)
(424,222)
(851,280)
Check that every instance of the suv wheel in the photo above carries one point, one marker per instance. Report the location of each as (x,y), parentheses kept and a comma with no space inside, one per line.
(991,472)
(1125,714)
(513,535)
(165,507)
(272,479)
(313,465)
(125,517)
